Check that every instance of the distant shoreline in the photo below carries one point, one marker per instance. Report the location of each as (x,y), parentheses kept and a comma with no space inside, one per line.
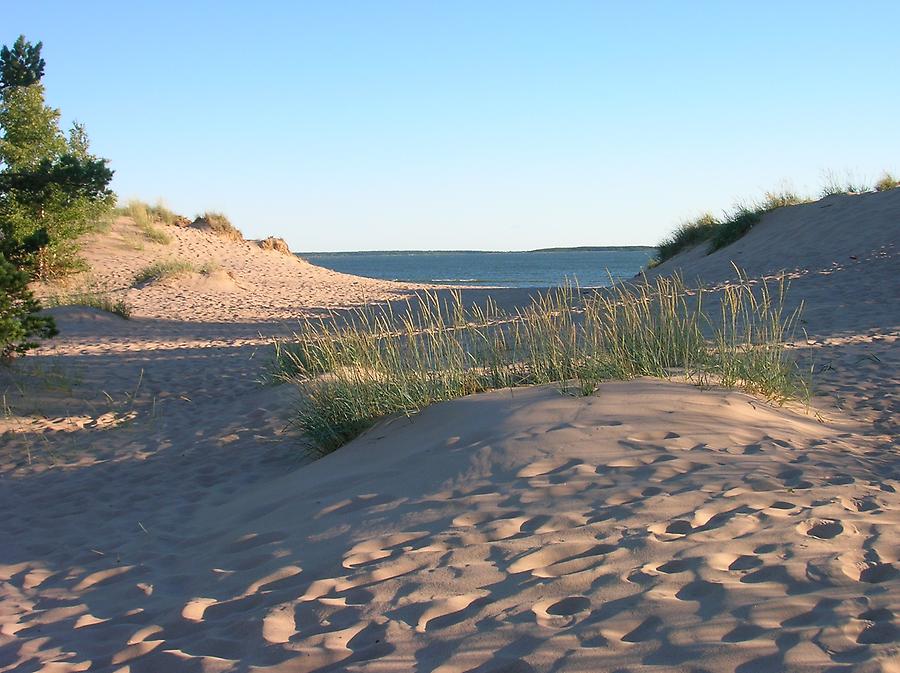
(582,248)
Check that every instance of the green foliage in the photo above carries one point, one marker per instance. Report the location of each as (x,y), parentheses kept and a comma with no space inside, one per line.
(22,65)
(350,372)
(51,188)
(18,309)
(886,183)
(162,269)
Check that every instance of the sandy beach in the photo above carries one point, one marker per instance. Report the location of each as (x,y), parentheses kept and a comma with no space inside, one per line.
(161,514)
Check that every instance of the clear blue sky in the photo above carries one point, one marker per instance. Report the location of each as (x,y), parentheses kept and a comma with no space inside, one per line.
(477,125)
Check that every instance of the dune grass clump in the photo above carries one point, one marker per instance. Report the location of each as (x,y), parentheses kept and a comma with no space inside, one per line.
(146,217)
(374,362)
(163,269)
(847,185)
(886,183)
(687,235)
(92,299)
(219,224)
(721,232)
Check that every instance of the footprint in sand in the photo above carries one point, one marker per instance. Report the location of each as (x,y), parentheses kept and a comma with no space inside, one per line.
(673,530)
(823,529)
(553,613)
(871,572)
(783,508)
(646,630)
(676,566)
(438,613)
(554,560)
(545,467)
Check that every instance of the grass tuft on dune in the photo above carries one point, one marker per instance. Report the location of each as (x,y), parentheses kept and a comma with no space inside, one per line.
(720,232)
(725,231)
(147,217)
(352,371)
(93,299)
(162,269)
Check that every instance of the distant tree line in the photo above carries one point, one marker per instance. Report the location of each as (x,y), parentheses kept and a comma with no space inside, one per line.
(52,190)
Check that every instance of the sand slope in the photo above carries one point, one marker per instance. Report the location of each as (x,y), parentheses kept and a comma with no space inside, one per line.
(160,516)
(246,282)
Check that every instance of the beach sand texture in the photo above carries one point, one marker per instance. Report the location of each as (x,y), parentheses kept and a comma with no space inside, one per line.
(158,515)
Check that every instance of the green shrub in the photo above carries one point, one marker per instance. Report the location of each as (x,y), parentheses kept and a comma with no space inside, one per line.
(353,371)
(164,269)
(19,321)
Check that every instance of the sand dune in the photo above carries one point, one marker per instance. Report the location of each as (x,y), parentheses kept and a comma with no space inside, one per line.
(245,282)
(161,517)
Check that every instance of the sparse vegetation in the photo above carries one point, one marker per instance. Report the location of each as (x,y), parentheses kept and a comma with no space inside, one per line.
(722,232)
(353,371)
(735,224)
(146,217)
(209,266)
(276,244)
(163,269)
(886,183)
(92,299)
(219,224)
(847,185)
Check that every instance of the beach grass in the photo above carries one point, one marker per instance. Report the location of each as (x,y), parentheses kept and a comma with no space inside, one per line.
(848,184)
(220,225)
(146,217)
(354,369)
(886,182)
(717,233)
(92,299)
(720,232)
(162,269)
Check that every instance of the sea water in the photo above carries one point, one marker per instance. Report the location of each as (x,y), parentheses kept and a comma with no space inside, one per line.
(540,268)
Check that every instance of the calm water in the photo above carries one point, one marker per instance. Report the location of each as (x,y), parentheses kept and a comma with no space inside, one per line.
(587,268)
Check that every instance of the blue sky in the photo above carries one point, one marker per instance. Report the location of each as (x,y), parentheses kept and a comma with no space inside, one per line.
(471,125)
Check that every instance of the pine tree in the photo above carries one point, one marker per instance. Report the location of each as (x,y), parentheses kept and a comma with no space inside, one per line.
(22,65)
(32,144)
(52,190)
